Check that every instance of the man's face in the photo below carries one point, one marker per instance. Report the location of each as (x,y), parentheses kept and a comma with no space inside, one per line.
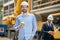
(50,21)
(24,8)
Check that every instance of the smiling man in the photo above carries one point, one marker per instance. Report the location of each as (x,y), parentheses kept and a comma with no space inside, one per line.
(25,23)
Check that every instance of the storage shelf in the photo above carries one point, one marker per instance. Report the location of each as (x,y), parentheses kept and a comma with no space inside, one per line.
(47,3)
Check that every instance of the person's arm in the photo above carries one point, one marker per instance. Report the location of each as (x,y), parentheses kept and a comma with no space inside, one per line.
(44,29)
(17,23)
(34,26)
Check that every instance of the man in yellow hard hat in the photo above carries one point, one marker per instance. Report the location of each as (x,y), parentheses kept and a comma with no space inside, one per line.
(25,23)
(48,29)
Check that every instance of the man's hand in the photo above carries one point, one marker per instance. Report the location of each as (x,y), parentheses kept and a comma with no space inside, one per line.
(51,32)
(31,38)
(20,26)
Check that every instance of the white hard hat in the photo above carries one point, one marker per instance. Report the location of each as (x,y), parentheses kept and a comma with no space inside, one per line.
(24,3)
(50,17)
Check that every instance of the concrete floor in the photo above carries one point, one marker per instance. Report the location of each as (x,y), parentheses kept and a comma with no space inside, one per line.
(4,38)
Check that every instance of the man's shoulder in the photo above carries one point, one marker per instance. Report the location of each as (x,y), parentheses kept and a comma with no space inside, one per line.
(19,16)
(45,23)
(30,14)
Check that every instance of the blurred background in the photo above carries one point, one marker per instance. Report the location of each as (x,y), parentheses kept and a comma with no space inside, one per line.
(10,9)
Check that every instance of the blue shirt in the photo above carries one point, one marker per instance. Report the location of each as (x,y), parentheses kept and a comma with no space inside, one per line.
(29,28)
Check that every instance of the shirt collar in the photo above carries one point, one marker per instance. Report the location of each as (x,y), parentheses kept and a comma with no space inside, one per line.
(48,23)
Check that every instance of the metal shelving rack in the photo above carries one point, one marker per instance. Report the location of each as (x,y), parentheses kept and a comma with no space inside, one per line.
(8,7)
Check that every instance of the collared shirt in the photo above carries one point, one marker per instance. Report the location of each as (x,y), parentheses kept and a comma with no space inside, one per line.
(49,24)
(29,28)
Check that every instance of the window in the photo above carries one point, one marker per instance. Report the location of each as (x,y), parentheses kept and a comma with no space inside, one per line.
(11,9)
(9,0)
(6,8)
(5,1)
(6,11)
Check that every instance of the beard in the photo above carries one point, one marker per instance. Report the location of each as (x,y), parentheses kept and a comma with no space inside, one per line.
(24,11)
